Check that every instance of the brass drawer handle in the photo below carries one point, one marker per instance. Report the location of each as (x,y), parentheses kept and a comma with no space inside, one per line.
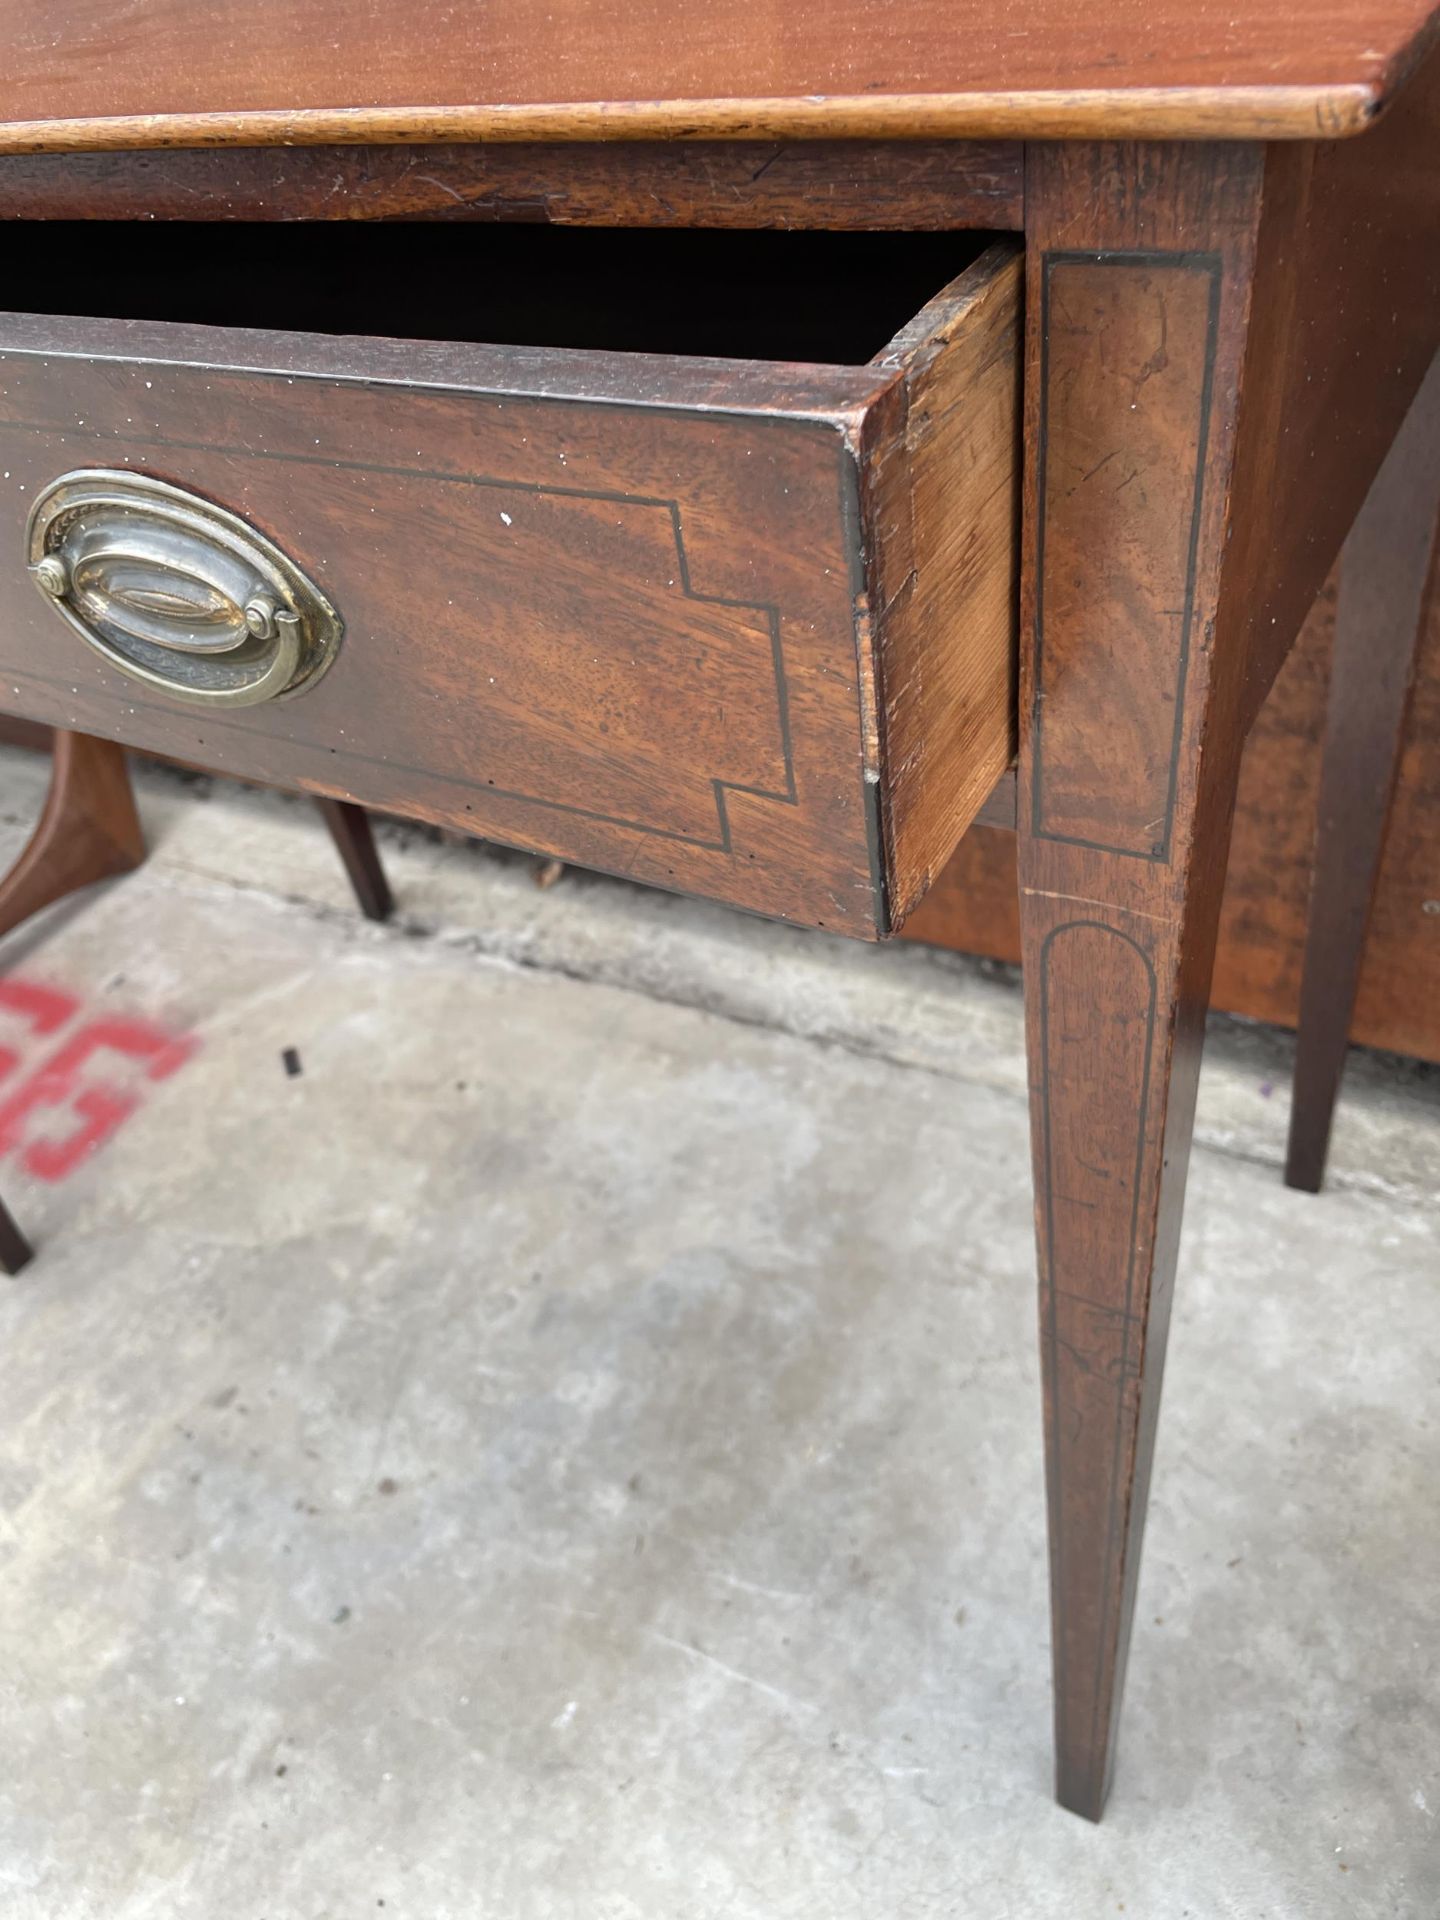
(177,592)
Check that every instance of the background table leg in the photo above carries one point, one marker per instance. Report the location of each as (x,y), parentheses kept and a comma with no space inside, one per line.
(1385,580)
(88,831)
(354,839)
(15,1249)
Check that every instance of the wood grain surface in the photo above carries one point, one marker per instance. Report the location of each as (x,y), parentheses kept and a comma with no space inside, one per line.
(1130,337)
(563,629)
(620,608)
(974,907)
(1133,391)
(906,184)
(944,508)
(89,73)
(1216,492)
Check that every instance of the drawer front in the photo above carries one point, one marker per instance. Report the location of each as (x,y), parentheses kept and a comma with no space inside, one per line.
(618,610)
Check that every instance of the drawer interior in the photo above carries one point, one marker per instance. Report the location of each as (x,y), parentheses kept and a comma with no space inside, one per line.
(833,298)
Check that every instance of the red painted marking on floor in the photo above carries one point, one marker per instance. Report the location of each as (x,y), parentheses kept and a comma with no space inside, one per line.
(44,1009)
(93,1067)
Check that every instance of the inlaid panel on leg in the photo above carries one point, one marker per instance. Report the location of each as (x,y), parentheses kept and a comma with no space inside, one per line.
(1097,1004)
(1130,339)
(1198,403)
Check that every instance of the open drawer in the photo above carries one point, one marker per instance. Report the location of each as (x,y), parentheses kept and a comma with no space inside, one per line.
(743,627)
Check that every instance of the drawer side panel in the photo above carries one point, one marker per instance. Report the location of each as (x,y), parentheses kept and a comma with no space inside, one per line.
(944,537)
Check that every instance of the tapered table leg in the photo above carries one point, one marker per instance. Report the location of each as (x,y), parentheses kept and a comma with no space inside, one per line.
(354,839)
(1136,331)
(1385,576)
(15,1250)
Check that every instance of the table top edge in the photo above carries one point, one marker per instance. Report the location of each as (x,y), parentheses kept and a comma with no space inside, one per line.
(1132,113)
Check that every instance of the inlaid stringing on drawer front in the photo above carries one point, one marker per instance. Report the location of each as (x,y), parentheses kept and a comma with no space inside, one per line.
(634,624)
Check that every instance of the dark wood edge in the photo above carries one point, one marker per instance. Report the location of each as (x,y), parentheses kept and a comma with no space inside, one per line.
(16,1253)
(825,395)
(353,838)
(997,811)
(1389,578)
(1000,810)
(32,735)
(934,324)
(838,185)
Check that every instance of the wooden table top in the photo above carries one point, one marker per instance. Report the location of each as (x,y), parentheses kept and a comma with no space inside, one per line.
(155,73)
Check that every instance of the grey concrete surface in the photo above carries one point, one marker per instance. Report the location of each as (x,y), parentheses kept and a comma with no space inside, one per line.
(573,1450)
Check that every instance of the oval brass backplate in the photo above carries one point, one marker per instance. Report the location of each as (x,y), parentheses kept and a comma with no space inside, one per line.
(177,592)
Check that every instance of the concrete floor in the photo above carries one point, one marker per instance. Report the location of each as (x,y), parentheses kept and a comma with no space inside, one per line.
(573,1449)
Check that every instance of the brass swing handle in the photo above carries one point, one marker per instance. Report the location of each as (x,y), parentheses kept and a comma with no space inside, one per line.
(177,592)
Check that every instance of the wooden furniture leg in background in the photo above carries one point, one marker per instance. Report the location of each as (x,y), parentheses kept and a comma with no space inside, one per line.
(1385,574)
(15,1250)
(348,826)
(88,830)
(354,839)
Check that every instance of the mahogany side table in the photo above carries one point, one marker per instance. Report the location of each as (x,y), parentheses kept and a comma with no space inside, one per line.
(839,367)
